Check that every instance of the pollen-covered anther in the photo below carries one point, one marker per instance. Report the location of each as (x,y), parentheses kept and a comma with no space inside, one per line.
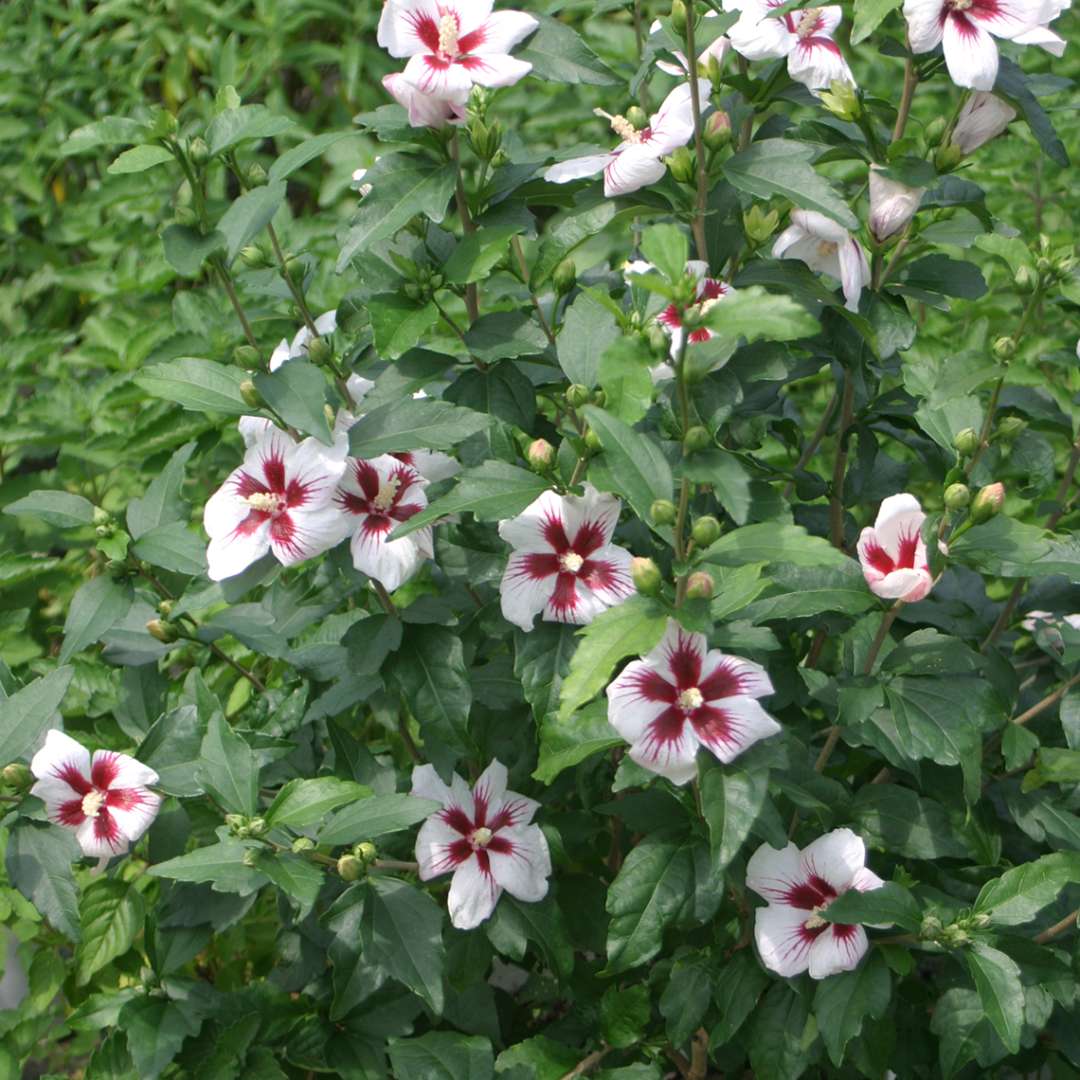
(815,922)
(808,22)
(268,502)
(387,493)
(621,126)
(92,803)
(826,248)
(691,698)
(480,837)
(571,562)
(448,35)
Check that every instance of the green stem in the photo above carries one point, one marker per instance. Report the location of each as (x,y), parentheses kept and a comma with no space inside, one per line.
(230,292)
(472,294)
(907,95)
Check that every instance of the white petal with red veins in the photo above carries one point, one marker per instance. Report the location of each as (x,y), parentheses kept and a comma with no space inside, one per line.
(491,783)
(473,895)
(523,594)
(524,871)
(308,533)
(127,772)
(753,679)
(782,940)
(924,23)
(427,784)
(230,555)
(134,819)
(433,843)
(598,510)
(471,14)
(497,70)
(897,517)
(502,30)
(746,723)
(634,167)
(756,36)
(97,839)
(527,531)
(907,585)
(771,871)
(817,63)
(836,857)
(971,54)
(60,753)
(400,22)
(438,79)
(630,711)
(390,562)
(668,749)
(576,168)
(835,951)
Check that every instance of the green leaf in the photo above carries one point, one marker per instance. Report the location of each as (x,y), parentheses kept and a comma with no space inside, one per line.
(626,378)
(505,335)
(501,390)
(667,248)
(477,254)
(298,878)
(220,865)
(38,863)
(578,225)
(95,609)
(26,714)
(172,748)
(229,770)
(402,933)
(515,923)
(842,1002)
(161,504)
(624,1015)
(782,1036)
(566,743)
(402,186)
(757,315)
(139,159)
(1013,83)
(799,592)
(889,905)
(939,274)
(898,820)
(774,542)
(156,1029)
(589,329)
(558,54)
(736,995)
(306,802)
(367,819)
(108,131)
(173,547)
(646,895)
(1001,546)
(298,156)
(234,126)
(59,508)
(112,913)
(249,215)
(728,478)
(541,662)
(869,15)
(199,385)
(297,393)
(636,467)
(731,800)
(186,249)
(685,999)
(783,167)
(631,628)
(997,979)
(1022,892)
(1053,765)
(411,424)
(442,1055)
(399,323)
(491,491)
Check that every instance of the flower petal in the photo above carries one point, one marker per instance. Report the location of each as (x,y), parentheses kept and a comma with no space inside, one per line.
(526,587)
(971,54)
(835,857)
(390,562)
(542,526)
(577,168)
(440,848)
(473,895)
(494,69)
(523,866)
(756,36)
(635,166)
(668,746)
(407,27)
(132,809)
(899,518)
(783,942)
(498,33)
(731,725)
(441,79)
(771,871)
(230,555)
(732,676)
(101,836)
(636,698)
(427,784)
(817,62)
(854,271)
(923,23)
(837,948)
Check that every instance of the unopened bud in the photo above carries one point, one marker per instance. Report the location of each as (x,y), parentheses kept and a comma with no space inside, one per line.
(662,512)
(1024,278)
(541,455)
(1010,428)
(1064,265)
(17,776)
(955,936)
(102,516)
(319,350)
(966,442)
(696,438)
(412,290)
(577,395)
(165,607)
(678,17)
(659,345)
(717,133)
(934,130)
(842,100)
(1004,348)
(638,117)
(646,576)
(700,586)
(947,157)
(681,164)
(349,868)
(302,844)
(256,175)
(257,826)
(250,394)
(365,852)
(198,151)
(599,398)
(254,257)
(705,531)
(564,277)
(245,356)
(163,631)
(105,530)
(758,225)
(957,496)
(592,442)
(235,822)
(987,503)
(931,928)
(981,921)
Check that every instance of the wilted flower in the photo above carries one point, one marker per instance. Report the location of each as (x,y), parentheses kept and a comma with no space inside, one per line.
(717,49)
(280,500)
(791,935)
(681,696)
(635,162)
(105,800)
(892,551)
(983,117)
(424,110)
(892,204)
(485,838)
(375,497)
(963,29)
(564,563)
(454,44)
(828,248)
(804,36)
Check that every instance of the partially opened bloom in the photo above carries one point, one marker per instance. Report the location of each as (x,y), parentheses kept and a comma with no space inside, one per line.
(717,48)
(682,696)
(375,497)
(454,44)
(635,162)
(828,248)
(280,500)
(424,110)
(804,36)
(564,563)
(484,837)
(983,117)
(892,204)
(965,30)
(105,799)
(892,552)
(791,935)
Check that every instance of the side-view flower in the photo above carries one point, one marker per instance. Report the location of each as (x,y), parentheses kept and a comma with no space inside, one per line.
(892,551)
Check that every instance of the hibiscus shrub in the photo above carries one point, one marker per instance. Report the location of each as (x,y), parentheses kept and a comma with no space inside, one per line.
(625,627)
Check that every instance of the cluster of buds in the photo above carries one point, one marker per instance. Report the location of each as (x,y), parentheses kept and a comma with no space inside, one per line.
(243,827)
(354,864)
(758,225)
(426,281)
(1053,264)
(954,935)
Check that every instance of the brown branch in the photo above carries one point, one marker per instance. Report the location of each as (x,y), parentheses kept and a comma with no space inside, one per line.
(587,1064)
(1058,928)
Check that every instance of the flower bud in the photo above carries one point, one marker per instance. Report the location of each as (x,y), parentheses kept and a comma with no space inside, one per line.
(102,516)
(254,257)
(981,921)
(1004,348)
(1025,278)
(955,936)
(577,395)
(1010,428)
(758,225)
(163,631)
(982,118)
(957,496)
(717,133)
(165,607)
(235,822)
(198,151)
(646,576)
(319,350)
(638,117)
(256,175)
(678,17)
(842,100)
(365,852)
(662,512)
(696,438)
(412,290)
(302,844)
(892,204)
(934,130)
(17,776)
(250,395)
(659,345)
(931,928)
(966,442)
(987,503)
(705,531)
(946,158)
(564,277)
(592,442)
(257,826)
(681,164)
(350,868)
(105,530)
(599,398)
(251,857)
(1064,264)
(245,356)
(541,455)
(185,215)
(700,586)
